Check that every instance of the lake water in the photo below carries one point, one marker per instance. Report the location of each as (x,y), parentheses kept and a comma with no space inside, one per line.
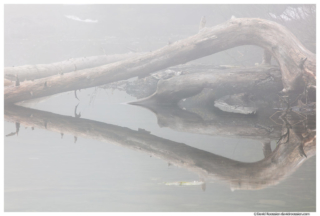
(122,159)
(116,157)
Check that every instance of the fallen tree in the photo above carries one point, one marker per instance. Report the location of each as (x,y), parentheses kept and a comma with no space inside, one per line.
(32,72)
(294,59)
(256,80)
(146,86)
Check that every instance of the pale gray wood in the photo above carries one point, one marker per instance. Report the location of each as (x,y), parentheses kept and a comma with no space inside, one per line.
(280,42)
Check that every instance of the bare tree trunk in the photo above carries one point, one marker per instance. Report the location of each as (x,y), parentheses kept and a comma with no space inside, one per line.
(32,72)
(222,82)
(294,59)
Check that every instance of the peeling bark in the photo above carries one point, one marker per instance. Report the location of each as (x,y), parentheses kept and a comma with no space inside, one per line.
(280,42)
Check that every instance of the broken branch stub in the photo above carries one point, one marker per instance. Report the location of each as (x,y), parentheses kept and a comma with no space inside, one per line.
(280,42)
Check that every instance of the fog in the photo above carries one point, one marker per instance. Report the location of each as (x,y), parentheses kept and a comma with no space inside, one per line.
(58,32)
(91,151)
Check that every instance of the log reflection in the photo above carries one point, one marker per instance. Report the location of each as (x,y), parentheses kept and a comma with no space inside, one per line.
(275,167)
(258,127)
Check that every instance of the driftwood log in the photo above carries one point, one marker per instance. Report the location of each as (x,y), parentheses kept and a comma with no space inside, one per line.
(32,72)
(262,81)
(293,58)
(274,168)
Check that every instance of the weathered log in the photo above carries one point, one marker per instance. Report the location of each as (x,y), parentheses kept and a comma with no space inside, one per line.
(275,167)
(294,59)
(144,87)
(258,80)
(32,72)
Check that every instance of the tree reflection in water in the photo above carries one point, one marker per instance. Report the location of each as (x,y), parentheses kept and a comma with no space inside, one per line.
(297,142)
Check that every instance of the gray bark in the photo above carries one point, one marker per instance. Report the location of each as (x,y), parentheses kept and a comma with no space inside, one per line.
(263,81)
(281,43)
(32,72)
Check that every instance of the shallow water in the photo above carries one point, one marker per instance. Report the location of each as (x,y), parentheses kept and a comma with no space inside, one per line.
(117,165)
(120,157)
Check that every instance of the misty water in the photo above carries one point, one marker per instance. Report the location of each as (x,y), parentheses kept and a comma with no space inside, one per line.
(99,153)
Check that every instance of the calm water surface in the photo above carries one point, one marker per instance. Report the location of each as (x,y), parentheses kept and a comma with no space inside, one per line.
(122,160)
(119,157)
